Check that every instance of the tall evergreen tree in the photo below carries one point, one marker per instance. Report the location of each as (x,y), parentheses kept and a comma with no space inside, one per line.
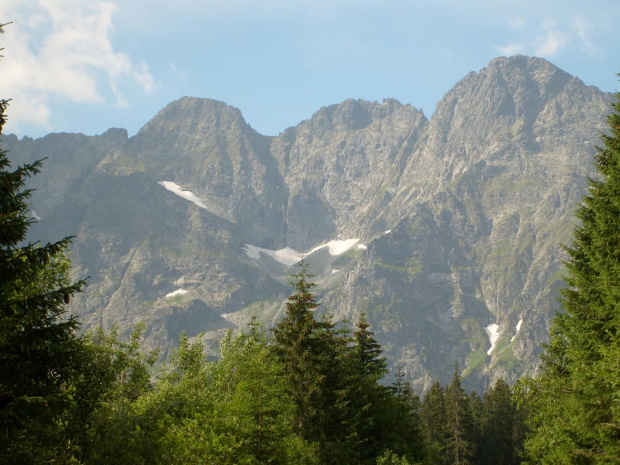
(368,398)
(368,351)
(433,416)
(297,345)
(575,400)
(459,445)
(39,350)
(313,354)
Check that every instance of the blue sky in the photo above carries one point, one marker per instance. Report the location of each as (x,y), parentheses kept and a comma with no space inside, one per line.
(85,65)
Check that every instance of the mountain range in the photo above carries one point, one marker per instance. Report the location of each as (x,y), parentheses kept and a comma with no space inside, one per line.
(447,232)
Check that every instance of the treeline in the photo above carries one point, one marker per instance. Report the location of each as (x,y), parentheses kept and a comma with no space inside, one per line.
(309,394)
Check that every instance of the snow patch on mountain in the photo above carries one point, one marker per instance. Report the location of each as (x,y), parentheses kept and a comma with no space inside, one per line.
(336,247)
(288,256)
(177,292)
(493,335)
(518,328)
(174,188)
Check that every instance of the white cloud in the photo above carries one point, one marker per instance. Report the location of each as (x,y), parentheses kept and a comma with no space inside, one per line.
(550,44)
(546,38)
(581,28)
(61,50)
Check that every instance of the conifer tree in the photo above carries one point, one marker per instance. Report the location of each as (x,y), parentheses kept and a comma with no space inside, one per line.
(433,416)
(39,349)
(297,345)
(368,351)
(368,398)
(459,447)
(313,353)
(575,400)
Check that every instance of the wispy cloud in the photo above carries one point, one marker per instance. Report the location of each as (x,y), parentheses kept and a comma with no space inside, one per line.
(582,29)
(62,50)
(179,73)
(551,42)
(546,39)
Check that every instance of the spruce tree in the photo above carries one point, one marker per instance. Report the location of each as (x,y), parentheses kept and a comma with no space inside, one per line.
(459,445)
(433,417)
(297,345)
(40,352)
(313,353)
(368,351)
(575,400)
(368,399)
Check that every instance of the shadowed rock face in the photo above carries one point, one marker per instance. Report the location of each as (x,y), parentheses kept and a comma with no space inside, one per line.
(459,218)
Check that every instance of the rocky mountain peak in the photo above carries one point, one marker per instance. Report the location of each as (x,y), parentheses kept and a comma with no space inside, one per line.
(197,115)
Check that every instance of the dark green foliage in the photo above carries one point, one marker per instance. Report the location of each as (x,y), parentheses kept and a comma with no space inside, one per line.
(402,425)
(433,416)
(333,379)
(458,428)
(574,401)
(459,444)
(315,357)
(368,399)
(368,351)
(298,345)
(40,354)
(390,458)
(476,408)
(500,437)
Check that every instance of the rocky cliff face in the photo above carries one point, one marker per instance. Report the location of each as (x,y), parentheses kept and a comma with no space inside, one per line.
(446,232)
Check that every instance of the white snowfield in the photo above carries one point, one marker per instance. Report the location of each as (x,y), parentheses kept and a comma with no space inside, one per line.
(518,328)
(288,256)
(173,187)
(175,293)
(493,335)
(337,247)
